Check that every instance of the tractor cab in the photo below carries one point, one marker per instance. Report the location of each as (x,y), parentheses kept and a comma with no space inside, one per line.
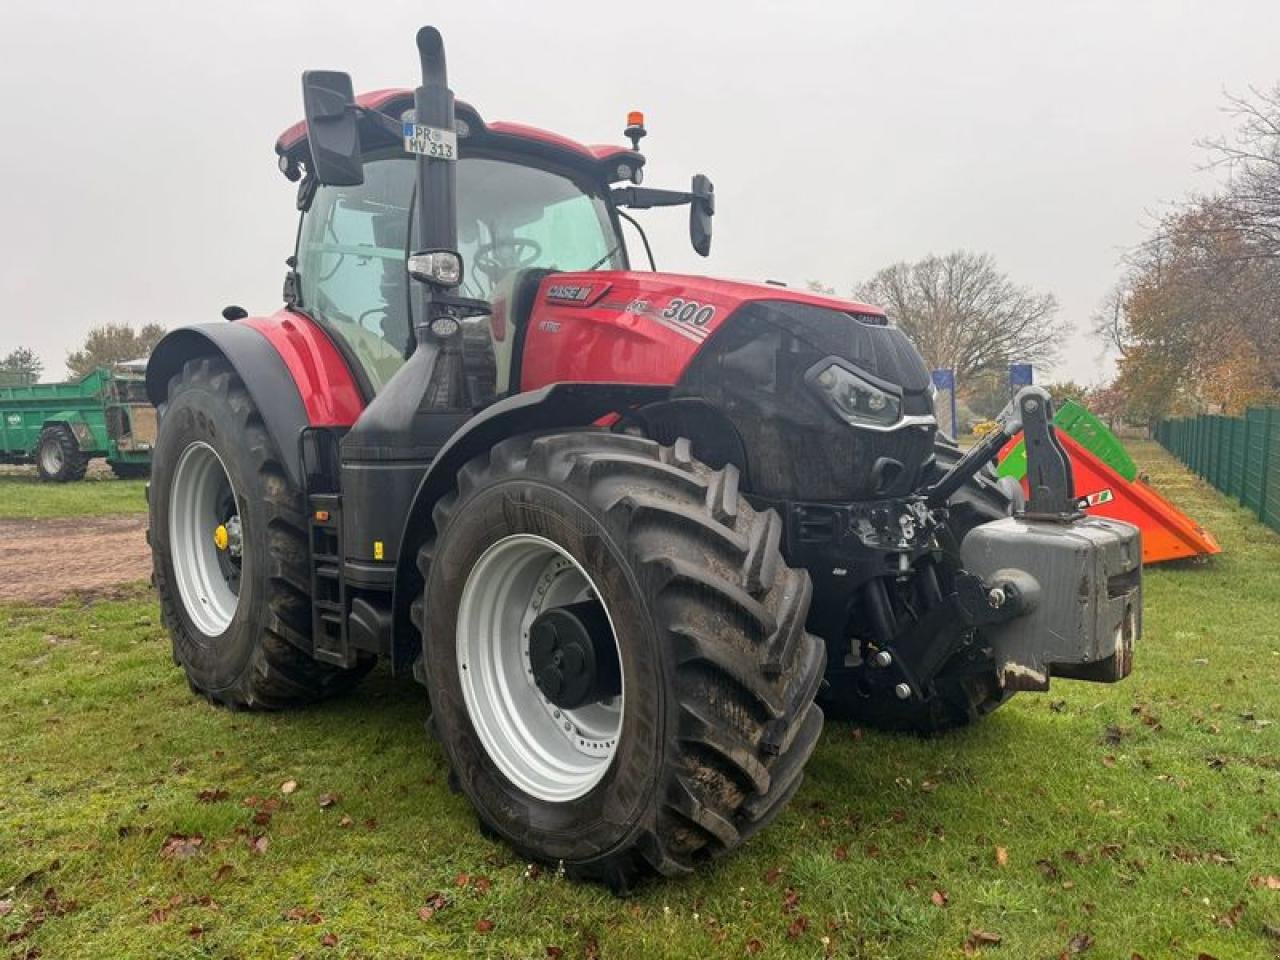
(529,202)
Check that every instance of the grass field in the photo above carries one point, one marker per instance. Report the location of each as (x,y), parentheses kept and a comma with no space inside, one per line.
(24,497)
(1104,821)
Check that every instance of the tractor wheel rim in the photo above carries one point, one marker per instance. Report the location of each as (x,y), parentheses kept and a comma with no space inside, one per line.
(51,457)
(208,585)
(549,752)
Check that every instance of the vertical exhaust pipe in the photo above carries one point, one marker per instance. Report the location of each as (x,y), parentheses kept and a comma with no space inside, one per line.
(436,210)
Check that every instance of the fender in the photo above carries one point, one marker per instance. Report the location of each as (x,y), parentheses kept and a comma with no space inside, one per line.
(551,407)
(260,367)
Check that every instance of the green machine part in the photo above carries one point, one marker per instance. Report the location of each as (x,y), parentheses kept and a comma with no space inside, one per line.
(1085,429)
(86,406)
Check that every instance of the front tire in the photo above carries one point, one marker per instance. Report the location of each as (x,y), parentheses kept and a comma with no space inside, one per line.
(58,455)
(717,674)
(229,550)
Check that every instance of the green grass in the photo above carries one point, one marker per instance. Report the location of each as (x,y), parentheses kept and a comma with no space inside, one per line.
(27,498)
(1135,815)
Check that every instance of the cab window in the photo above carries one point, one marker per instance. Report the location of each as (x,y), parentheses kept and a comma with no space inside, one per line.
(511,217)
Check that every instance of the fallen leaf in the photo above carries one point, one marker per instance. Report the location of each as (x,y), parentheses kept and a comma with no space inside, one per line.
(858,736)
(1232,916)
(1080,943)
(1002,856)
(1057,706)
(790,900)
(179,846)
(772,874)
(482,884)
(346,821)
(288,787)
(195,931)
(1109,760)
(327,800)
(940,898)
(211,796)
(797,927)
(484,925)
(262,818)
(1270,882)
(841,852)
(1048,870)
(259,844)
(158,915)
(554,952)
(329,940)
(978,939)
(755,945)
(928,786)
(223,872)
(462,879)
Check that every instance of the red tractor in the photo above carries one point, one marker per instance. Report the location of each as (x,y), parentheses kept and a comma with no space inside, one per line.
(627,527)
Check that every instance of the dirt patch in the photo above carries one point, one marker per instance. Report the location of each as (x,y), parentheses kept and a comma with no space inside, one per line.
(44,560)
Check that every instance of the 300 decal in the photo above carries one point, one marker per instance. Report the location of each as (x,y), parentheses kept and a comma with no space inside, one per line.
(689,311)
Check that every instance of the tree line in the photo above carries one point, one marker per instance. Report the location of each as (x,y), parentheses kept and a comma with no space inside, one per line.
(1195,317)
(105,345)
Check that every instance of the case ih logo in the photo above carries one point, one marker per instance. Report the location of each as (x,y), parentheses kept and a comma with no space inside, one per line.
(569,292)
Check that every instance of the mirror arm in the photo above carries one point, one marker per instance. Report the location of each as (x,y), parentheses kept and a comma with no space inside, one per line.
(387,123)
(643,198)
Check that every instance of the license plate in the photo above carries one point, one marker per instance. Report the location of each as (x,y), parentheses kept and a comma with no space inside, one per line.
(431,142)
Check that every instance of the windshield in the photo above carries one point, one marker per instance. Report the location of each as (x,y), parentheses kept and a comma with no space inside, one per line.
(351,249)
(512,217)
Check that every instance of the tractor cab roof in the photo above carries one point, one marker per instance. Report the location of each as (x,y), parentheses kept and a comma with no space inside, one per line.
(610,161)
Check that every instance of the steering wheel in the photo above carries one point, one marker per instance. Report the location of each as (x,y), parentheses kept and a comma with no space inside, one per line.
(494,267)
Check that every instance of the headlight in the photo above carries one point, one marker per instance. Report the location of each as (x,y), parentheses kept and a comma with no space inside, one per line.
(856,399)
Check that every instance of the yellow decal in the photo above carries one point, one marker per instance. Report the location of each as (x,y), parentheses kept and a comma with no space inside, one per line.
(377,549)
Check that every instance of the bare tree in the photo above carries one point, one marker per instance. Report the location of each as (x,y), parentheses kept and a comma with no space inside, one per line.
(1251,157)
(963,313)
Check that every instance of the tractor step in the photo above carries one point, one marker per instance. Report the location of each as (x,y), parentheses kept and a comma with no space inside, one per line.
(328,589)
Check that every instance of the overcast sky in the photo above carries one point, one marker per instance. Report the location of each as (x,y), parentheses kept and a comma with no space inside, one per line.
(139,183)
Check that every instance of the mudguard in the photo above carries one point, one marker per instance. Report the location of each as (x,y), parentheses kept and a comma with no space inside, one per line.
(259,366)
(554,406)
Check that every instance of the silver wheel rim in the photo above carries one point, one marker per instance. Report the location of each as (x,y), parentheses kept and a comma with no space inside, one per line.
(51,456)
(550,753)
(197,504)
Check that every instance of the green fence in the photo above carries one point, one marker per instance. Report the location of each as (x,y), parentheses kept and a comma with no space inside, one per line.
(1238,455)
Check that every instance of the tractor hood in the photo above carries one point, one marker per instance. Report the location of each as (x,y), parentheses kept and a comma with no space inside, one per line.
(843,397)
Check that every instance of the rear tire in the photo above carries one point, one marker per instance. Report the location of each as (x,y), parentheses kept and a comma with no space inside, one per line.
(969,691)
(244,641)
(718,673)
(58,456)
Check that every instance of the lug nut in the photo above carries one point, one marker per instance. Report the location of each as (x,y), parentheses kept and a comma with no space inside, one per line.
(996,597)
(902,691)
(882,659)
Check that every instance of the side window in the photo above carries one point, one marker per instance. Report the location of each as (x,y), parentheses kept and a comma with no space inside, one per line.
(351,262)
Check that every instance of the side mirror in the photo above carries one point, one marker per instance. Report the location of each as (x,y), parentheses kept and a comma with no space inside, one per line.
(333,135)
(701,211)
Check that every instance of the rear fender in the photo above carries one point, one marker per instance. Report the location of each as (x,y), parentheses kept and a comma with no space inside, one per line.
(558,405)
(259,366)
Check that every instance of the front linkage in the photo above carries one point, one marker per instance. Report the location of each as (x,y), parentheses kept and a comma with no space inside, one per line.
(1044,592)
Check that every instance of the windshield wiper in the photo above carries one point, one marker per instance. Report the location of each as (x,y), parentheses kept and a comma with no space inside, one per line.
(607,256)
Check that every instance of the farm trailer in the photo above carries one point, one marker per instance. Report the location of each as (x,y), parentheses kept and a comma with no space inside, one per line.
(62,426)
